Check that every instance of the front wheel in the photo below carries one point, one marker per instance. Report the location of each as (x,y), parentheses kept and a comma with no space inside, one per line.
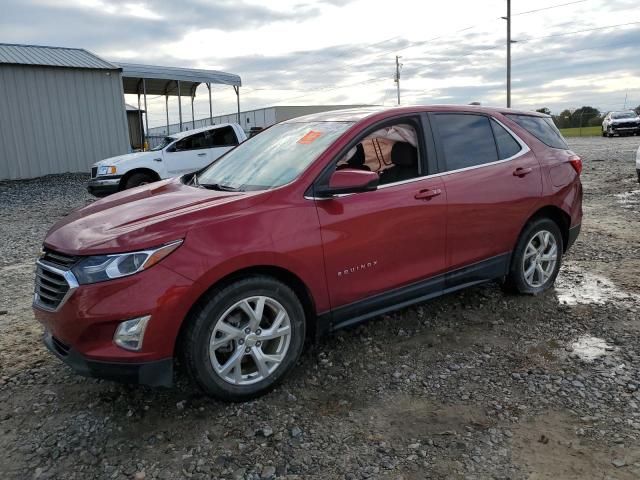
(243,339)
(536,259)
(138,179)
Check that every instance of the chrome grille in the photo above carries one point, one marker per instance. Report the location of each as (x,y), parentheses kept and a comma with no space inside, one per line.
(625,125)
(57,258)
(53,286)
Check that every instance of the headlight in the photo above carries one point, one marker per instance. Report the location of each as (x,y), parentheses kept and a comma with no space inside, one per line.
(107,170)
(106,267)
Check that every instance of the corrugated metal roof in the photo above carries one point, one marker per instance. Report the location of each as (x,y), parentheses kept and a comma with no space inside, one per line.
(52,57)
(158,76)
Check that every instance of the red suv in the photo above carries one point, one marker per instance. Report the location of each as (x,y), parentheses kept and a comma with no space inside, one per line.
(312,225)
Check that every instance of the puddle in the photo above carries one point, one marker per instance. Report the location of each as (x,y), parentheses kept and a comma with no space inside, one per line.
(629,199)
(589,348)
(574,288)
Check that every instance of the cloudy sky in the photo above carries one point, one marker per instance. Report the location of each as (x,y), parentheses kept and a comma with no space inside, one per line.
(297,52)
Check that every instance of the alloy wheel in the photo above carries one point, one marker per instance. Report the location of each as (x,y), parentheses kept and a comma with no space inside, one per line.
(540,258)
(250,340)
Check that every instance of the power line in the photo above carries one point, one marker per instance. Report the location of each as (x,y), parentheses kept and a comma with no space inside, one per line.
(578,31)
(548,8)
(328,89)
(416,44)
(424,42)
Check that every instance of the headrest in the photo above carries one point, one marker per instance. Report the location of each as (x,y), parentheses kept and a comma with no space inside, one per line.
(404,154)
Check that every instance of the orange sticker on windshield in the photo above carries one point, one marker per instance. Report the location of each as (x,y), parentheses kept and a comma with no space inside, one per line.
(310,137)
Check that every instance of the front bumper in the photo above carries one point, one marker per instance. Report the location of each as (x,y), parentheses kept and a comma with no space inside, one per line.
(101,186)
(158,373)
(625,128)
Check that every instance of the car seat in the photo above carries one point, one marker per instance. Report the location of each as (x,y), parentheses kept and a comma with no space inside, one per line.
(405,163)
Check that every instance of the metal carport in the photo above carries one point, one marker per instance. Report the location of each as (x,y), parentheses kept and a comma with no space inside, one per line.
(157,80)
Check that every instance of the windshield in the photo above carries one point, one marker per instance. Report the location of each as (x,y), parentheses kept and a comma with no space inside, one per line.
(165,141)
(623,115)
(273,158)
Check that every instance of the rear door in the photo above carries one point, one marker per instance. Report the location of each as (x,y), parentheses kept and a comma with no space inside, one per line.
(493,183)
(377,242)
(188,154)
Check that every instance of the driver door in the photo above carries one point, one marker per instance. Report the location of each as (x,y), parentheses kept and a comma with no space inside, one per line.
(381,246)
(188,155)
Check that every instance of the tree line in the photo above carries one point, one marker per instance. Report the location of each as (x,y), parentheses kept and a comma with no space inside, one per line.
(580,117)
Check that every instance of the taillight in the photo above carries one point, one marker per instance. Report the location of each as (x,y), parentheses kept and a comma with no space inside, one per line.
(576,163)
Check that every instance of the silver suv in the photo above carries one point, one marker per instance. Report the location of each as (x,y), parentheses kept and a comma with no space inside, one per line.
(622,123)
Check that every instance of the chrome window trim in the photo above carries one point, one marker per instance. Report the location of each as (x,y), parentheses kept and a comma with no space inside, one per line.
(69,278)
(523,151)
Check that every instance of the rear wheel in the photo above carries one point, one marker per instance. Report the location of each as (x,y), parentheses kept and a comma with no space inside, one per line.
(242,340)
(536,260)
(138,179)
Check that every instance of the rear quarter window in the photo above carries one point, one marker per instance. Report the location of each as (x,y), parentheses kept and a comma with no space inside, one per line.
(542,128)
(507,145)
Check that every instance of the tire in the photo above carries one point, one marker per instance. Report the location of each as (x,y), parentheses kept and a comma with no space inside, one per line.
(531,239)
(138,179)
(230,371)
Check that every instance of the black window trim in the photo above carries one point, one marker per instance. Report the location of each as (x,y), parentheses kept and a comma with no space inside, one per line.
(426,151)
(442,167)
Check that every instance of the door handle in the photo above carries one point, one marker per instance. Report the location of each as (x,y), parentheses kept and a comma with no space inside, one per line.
(521,172)
(427,194)
(201,154)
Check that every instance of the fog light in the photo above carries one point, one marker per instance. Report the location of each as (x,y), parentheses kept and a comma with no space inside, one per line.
(130,333)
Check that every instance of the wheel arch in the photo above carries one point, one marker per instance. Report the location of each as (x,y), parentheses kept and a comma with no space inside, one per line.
(285,276)
(559,216)
(146,170)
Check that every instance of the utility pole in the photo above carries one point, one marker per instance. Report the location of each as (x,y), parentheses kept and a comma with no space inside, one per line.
(508,53)
(397,77)
(509,42)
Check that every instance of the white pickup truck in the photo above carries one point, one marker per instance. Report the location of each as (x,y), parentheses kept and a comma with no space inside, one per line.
(178,154)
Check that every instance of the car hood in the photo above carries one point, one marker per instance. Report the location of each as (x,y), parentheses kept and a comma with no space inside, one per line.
(625,120)
(123,158)
(144,217)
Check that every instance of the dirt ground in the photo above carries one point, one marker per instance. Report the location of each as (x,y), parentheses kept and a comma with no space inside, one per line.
(474,385)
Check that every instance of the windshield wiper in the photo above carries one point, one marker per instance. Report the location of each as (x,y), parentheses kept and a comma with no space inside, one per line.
(219,186)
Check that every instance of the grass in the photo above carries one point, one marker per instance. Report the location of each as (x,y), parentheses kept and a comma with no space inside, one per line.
(586,132)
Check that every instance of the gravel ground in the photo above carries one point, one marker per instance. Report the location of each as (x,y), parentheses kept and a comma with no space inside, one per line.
(473,385)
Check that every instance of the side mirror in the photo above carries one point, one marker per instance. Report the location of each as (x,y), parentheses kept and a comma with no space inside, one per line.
(349,180)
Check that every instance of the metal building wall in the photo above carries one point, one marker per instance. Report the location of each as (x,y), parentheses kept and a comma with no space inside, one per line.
(57,120)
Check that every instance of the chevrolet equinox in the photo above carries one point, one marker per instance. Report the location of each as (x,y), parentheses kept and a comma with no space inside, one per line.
(314,224)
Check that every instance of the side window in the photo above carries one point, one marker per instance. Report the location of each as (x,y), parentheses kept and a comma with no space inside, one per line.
(507,145)
(223,137)
(467,140)
(392,152)
(192,142)
(542,128)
